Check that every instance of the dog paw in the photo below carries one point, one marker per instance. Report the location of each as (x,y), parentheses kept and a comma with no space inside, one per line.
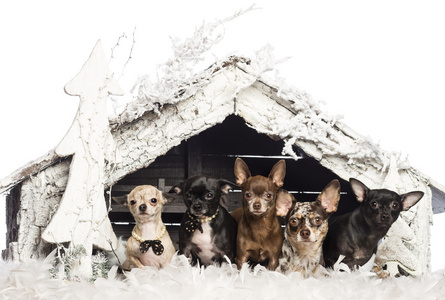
(380,272)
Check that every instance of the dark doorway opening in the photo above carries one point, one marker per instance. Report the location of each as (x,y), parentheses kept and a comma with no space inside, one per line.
(213,153)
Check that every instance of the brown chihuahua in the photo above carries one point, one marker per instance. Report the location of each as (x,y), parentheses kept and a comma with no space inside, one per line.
(150,243)
(260,236)
(306,229)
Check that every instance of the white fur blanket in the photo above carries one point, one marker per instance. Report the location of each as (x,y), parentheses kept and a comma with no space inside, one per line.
(32,280)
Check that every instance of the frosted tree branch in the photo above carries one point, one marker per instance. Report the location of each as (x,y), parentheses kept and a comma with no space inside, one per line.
(130,56)
(123,36)
(177,78)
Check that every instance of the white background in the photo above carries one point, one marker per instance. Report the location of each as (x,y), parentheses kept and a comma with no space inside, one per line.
(379,64)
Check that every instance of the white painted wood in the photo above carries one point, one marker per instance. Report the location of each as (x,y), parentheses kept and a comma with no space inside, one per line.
(40,197)
(407,242)
(82,217)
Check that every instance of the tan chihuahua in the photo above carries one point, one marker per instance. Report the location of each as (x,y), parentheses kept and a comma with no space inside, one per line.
(150,243)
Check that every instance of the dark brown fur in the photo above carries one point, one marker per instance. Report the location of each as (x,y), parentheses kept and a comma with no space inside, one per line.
(260,236)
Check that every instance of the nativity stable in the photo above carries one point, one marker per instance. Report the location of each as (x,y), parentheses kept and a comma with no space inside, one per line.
(229,110)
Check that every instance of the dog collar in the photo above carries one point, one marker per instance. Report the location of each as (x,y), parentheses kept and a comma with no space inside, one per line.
(195,223)
(155,244)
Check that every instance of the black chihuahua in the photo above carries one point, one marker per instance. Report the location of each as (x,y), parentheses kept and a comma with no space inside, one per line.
(356,235)
(207,232)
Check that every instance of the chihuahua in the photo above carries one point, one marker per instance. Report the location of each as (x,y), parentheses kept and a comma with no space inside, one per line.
(306,229)
(357,234)
(208,232)
(150,243)
(260,236)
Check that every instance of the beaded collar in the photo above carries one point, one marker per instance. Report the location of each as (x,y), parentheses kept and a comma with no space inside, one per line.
(195,223)
(155,244)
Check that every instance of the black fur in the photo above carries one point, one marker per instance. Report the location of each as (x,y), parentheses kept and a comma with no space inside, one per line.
(203,197)
(356,235)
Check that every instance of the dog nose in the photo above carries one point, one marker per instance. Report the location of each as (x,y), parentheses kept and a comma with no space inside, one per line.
(305,234)
(257,206)
(385,217)
(197,207)
(142,207)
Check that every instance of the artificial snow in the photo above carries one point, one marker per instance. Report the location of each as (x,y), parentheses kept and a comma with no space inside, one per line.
(32,280)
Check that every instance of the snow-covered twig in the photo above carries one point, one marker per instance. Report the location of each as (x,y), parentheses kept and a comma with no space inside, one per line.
(178,78)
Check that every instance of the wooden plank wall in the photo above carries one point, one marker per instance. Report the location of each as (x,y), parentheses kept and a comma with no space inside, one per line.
(12,219)
(213,153)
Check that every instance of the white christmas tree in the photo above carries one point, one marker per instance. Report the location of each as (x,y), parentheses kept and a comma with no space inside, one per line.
(82,217)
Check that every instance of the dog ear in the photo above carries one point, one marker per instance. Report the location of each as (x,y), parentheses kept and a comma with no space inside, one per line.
(411,198)
(168,197)
(330,196)
(278,172)
(285,201)
(242,172)
(177,188)
(360,190)
(225,186)
(122,200)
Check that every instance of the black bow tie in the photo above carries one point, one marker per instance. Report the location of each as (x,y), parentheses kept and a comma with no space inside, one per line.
(156,245)
(193,224)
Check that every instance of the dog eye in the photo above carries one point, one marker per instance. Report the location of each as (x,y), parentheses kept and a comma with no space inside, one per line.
(294,222)
(269,196)
(374,204)
(132,202)
(188,196)
(153,200)
(395,206)
(317,221)
(248,195)
(209,196)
